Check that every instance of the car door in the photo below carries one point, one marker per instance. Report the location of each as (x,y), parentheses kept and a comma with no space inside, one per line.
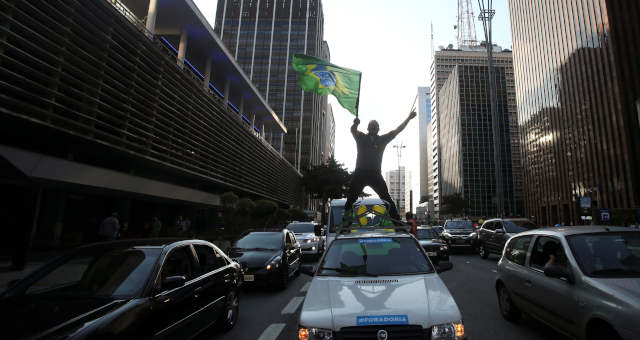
(498,238)
(213,284)
(552,300)
(486,232)
(513,271)
(174,307)
(293,256)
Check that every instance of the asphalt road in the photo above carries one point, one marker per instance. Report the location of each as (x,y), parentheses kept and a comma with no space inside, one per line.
(270,314)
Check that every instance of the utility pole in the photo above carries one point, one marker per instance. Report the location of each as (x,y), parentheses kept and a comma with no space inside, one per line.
(399,147)
(486,15)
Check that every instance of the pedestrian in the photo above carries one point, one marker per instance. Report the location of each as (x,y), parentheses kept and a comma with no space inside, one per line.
(412,221)
(368,164)
(109,228)
(156,226)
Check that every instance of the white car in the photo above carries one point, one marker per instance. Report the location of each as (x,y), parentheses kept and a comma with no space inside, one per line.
(310,243)
(378,284)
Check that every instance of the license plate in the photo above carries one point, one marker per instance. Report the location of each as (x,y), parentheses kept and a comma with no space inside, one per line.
(431,253)
(249,278)
(461,241)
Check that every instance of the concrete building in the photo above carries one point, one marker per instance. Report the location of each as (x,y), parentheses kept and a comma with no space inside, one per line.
(399,183)
(578,85)
(263,35)
(424,130)
(330,136)
(444,61)
(466,139)
(105,112)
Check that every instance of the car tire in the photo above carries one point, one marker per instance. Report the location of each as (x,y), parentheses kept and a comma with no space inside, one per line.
(483,251)
(508,310)
(601,330)
(284,278)
(229,317)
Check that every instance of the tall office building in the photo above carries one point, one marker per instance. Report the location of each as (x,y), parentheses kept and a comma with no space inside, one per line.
(330,135)
(578,82)
(399,183)
(263,35)
(424,121)
(466,139)
(444,61)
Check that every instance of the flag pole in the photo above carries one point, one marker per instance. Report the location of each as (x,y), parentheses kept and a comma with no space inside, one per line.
(358,100)
(413,106)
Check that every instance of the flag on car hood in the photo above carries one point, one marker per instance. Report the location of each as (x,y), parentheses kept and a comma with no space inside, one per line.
(320,76)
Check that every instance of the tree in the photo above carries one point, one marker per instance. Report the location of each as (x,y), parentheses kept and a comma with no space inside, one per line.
(425,198)
(243,213)
(229,202)
(454,205)
(325,181)
(265,211)
(297,214)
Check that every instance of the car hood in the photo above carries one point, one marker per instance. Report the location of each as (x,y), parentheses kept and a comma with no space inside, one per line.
(254,258)
(33,315)
(336,302)
(624,289)
(433,243)
(458,231)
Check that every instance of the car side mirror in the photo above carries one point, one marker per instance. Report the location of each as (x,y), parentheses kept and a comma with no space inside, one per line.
(559,272)
(172,282)
(443,266)
(308,269)
(317,229)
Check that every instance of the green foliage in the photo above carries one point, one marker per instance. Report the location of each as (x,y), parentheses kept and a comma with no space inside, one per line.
(454,205)
(326,181)
(264,212)
(281,217)
(296,214)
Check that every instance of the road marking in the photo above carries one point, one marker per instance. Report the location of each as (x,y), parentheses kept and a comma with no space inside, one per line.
(272,332)
(305,287)
(293,305)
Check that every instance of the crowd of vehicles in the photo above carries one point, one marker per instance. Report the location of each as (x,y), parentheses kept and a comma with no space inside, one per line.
(374,279)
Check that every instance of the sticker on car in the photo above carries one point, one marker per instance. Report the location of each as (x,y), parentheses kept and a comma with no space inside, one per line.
(365,320)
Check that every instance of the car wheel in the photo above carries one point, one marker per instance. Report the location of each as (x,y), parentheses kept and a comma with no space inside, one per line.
(601,330)
(284,278)
(231,311)
(508,310)
(483,251)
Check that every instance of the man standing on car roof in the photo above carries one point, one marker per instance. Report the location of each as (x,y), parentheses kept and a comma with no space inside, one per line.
(368,164)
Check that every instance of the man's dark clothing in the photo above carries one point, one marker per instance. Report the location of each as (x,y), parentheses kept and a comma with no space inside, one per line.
(370,150)
(367,173)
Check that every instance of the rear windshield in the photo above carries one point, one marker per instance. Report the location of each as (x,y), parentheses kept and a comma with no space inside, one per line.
(261,240)
(374,256)
(301,228)
(427,234)
(518,226)
(459,225)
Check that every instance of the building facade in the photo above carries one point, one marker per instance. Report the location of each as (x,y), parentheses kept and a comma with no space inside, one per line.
(125,115)
(466,139)
(330,135)
(578,86)
(444,61)
(399,183)
(263,35)
(424,131)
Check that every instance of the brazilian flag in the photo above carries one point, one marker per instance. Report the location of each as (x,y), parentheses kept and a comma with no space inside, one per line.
(319,76)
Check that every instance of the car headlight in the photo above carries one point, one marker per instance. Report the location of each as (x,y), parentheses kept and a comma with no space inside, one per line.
(448,331)
(443,248)
(275,263)
(314,239)
(314,334)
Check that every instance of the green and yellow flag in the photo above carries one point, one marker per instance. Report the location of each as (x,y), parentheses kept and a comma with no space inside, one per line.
(319,76)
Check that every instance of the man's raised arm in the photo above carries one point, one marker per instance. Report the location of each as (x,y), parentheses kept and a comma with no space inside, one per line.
(404,124)
(354,127)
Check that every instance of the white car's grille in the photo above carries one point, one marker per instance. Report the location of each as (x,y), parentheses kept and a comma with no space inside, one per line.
(359,282)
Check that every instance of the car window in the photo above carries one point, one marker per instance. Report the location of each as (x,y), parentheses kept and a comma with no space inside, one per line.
(374,256)
(488,225)
(458,225)
(178,263)
(261,240)
(115,272)
(518,226)
(546,252)
(301,227)
(517,248)
(607,254)
(288,239)
(208,258)
(427,234)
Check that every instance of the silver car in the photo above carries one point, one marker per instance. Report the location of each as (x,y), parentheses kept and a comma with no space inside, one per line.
(310,243)
(582,281)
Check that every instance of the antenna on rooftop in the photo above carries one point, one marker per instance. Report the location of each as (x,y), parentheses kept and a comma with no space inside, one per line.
(466,26)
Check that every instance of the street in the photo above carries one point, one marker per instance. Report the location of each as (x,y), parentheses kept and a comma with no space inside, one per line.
(268,314)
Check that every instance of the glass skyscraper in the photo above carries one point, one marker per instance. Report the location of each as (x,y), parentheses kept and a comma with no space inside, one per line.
(263,35)
(577,71)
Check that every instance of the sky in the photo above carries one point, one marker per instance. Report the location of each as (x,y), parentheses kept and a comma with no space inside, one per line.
(389,42)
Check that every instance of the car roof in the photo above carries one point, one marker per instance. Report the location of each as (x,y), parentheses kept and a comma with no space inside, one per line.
(508,219)
(577,230)
(138,243)
(366,201)
(372,234)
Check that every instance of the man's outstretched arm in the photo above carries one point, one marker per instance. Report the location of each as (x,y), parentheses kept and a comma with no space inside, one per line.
(404,124)
(354,127)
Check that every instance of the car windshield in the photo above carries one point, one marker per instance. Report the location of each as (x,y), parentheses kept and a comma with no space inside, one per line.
(427,234)
(607,254)
(459,225)
(120,273)
(518,226)
(300,228)
(373,257)
(261,240)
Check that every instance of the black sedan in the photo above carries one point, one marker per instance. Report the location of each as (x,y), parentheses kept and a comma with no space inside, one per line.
(124,289)
(430,241)
(268,257)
